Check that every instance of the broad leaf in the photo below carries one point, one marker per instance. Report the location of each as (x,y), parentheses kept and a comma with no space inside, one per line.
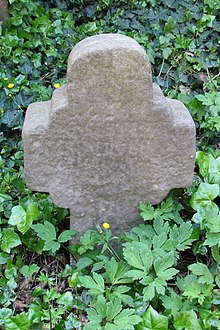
(66,235)
(153,321)
(201,270)
(9,240)
(46,231)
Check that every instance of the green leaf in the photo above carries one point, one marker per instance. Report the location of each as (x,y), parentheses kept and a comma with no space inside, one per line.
(201,270)
(114,308)
(170,25)
(18,215)
(4,257)
(138,255)
(72,322)
(4,198)
(95,285)
(28,271)
(147,211)
(51,245)
(19,322)
(9,240)
(126,319)
(22,219)
(162,266)
(153,321)
(204,196)
(66,235)
(117,271)
(5,313)
(187,320)
(172,302)
(66,300)
(83,262)
(166,52)
(47,231)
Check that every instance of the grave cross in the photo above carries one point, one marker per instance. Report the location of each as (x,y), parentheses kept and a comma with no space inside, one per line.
(108,138)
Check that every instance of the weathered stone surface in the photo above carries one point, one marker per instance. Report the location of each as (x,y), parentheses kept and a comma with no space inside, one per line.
(108,138)
(3,11)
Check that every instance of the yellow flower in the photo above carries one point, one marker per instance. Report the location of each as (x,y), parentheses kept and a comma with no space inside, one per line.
(5,79)
(10,85)
(10,95)
(106,225)
(57,85)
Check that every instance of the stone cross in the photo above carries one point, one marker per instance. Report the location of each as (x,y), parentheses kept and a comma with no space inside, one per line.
(108,139)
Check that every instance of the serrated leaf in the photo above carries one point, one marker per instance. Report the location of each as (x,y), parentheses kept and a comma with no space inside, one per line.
(46,231)
(170,25)
(95,285)
(162,264)
(126,319)
(117,271)
(9,240)
(66,235)
(114,308)
(138,255)
(5,314)
(203,272)
(172,302)
(153,321)
(147,211)
(51,245)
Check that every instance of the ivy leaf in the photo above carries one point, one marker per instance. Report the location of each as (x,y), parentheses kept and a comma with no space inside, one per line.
(66,299)
(72,322)
(187,320)
(46,231)
(9,240)
(204,196)
(153,321)
(23,219)
(66,235)
(4,198)
(19,322)
(18,216)
(201,270)
(5,313)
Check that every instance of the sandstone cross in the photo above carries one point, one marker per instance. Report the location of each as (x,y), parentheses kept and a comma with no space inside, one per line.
(108,138)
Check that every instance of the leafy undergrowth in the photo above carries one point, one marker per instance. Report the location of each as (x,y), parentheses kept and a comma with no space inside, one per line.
(164,273)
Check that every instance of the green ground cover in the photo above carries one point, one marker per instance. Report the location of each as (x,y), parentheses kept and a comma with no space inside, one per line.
(165,273)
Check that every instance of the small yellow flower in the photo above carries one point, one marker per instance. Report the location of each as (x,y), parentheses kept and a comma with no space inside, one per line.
(10,95)
(10,85)
(5,79)
(106,225)
(57,85)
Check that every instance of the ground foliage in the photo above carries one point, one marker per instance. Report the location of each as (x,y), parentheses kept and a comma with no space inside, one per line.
(164,274)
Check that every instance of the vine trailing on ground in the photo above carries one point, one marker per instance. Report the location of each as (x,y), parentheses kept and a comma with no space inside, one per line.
(164,273)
